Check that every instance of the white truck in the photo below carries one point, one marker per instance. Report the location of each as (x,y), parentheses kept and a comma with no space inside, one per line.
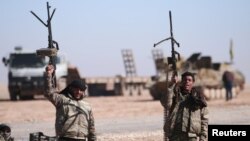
(26,73)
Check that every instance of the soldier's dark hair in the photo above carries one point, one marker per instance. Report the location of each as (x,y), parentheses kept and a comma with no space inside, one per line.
(187,73)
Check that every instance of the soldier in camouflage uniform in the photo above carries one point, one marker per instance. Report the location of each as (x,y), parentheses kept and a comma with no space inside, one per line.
(74,116)
(188,115)
(5,133)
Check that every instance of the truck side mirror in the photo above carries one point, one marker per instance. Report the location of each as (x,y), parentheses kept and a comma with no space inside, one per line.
(5,61)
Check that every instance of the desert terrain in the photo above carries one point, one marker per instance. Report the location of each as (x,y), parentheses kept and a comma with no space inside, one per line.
(117,118)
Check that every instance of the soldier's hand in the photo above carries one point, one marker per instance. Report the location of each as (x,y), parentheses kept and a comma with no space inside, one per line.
(174,79)
(49,69)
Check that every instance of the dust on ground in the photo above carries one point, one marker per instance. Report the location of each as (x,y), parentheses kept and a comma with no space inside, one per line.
(118,118)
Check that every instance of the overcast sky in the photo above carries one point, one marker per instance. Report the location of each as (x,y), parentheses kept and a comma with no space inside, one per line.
(92,33)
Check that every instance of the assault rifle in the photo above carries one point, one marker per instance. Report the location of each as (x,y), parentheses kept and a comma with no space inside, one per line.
(171,60)
(51,50)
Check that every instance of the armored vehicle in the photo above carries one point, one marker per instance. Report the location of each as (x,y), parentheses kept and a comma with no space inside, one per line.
(26,73)
(208,77)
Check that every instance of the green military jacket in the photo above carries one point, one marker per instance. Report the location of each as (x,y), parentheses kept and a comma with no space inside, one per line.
(74,118)
(184,116)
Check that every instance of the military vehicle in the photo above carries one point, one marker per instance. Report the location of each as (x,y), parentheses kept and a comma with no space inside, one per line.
(208,76)
(26,73)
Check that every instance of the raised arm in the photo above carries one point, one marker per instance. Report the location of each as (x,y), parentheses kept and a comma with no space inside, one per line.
(51,92)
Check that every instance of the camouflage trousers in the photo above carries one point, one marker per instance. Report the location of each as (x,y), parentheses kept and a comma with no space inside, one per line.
(182,137)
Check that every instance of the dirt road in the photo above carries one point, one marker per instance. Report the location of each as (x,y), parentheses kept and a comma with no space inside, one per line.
(117,118)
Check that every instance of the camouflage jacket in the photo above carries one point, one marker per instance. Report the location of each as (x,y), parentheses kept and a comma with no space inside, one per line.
(3,139)
(74,118)
(185,115)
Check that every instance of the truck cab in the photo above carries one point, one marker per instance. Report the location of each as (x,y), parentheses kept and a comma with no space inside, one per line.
(26,73)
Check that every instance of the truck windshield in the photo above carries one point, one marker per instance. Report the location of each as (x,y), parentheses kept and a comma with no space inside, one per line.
(26,60)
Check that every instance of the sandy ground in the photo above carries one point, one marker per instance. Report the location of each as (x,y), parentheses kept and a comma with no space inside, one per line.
(128,118)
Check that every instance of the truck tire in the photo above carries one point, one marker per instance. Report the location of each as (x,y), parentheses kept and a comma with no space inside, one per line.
(27,97)
(13,96)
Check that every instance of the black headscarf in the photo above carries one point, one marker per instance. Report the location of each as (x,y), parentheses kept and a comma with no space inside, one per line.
(4,127)
(75,84)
